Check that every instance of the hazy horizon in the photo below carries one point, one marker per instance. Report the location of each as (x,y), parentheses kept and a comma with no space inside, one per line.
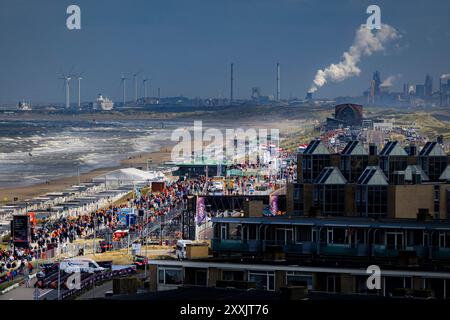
(186,48)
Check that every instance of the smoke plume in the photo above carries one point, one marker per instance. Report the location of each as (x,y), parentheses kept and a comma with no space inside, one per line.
(365,43)
(389,81)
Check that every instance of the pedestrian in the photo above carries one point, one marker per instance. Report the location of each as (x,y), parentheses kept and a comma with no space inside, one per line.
(26,276)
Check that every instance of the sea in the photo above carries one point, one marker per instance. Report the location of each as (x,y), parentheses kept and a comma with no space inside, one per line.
(37,151)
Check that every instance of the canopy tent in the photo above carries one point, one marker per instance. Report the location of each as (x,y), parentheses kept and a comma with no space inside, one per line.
(235,172)
(242,173)
(128,175)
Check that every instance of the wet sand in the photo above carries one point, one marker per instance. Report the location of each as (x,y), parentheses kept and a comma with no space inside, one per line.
(58,185)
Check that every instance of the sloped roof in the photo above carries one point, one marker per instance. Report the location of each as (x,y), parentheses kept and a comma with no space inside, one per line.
(129,175)
(373,175)
(411,169)
(445,176)
(392,148)
(330,175)
(316,147)
(354,148)
(432,149)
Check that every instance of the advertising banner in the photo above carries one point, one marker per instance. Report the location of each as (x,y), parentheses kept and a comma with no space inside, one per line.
(21,233)
(201,214)
(126,216)
(274,205)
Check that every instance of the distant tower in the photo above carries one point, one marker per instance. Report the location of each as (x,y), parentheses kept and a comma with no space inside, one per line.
(428,86)
(135,87)
(377,79)
(144,82)
(159,94)
(372,91)
(123,89)
(67,86)
(79,92)
(278,81)
(231,84)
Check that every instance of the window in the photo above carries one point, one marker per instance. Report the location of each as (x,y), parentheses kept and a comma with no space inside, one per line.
(233,275)
(372,200)
(170,276)
(444,240)
(252,232)
(303,234)
(295,278)
(353,166)
(330,199)
(333,283)
(437,197)
(339,236)
(313,165)
(390,164)
(223,232)
(264,280)
(235,231)
(433,166)
(298,199)
(414,238)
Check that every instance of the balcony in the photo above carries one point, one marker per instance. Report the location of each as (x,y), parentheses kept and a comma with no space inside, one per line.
(440,253)
(229,245)
(337,250)
(381,250)
(290,247)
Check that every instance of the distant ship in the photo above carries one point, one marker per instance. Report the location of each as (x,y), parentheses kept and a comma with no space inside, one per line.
(24,106)
(102,103)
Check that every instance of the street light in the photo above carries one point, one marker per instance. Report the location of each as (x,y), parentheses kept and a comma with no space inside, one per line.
(145,235)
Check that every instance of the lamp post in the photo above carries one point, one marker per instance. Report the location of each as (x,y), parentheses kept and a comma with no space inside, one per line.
(145,237)
(59,281)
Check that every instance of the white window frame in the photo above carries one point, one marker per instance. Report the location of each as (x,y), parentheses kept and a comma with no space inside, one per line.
(268,275)
(164,269)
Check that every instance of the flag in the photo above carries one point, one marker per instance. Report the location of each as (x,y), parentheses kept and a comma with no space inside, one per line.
(200,210)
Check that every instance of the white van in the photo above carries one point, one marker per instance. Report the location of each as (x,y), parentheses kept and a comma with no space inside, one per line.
(80,265)
(181,248)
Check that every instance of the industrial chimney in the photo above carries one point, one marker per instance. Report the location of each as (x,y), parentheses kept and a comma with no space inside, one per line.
(278,81)
(231,84)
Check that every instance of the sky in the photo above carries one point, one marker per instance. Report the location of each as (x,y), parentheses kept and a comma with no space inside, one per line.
(186,46)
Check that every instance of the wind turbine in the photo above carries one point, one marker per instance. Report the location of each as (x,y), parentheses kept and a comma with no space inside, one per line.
(123,89)
(67,79)
(144,82)
(135,86)
(79,91)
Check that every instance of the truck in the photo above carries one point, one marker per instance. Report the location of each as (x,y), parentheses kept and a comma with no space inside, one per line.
(80,265)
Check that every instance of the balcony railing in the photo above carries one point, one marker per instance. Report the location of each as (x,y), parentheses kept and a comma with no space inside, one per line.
(360,250)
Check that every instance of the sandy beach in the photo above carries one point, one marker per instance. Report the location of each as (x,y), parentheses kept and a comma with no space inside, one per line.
(140,160)
(28,192)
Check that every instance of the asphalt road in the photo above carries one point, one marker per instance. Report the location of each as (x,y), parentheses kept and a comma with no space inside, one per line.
(24,293)
(97,292)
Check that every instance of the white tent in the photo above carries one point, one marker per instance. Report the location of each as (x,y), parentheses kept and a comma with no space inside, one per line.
(128,175)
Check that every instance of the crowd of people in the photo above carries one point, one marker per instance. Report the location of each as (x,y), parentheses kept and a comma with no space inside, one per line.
(14,262)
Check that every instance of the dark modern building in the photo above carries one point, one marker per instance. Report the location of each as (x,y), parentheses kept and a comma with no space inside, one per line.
(377,83)
(346,115)
(364,183)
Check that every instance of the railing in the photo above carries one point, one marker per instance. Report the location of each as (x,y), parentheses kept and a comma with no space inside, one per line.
(360,250)
(95,278)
